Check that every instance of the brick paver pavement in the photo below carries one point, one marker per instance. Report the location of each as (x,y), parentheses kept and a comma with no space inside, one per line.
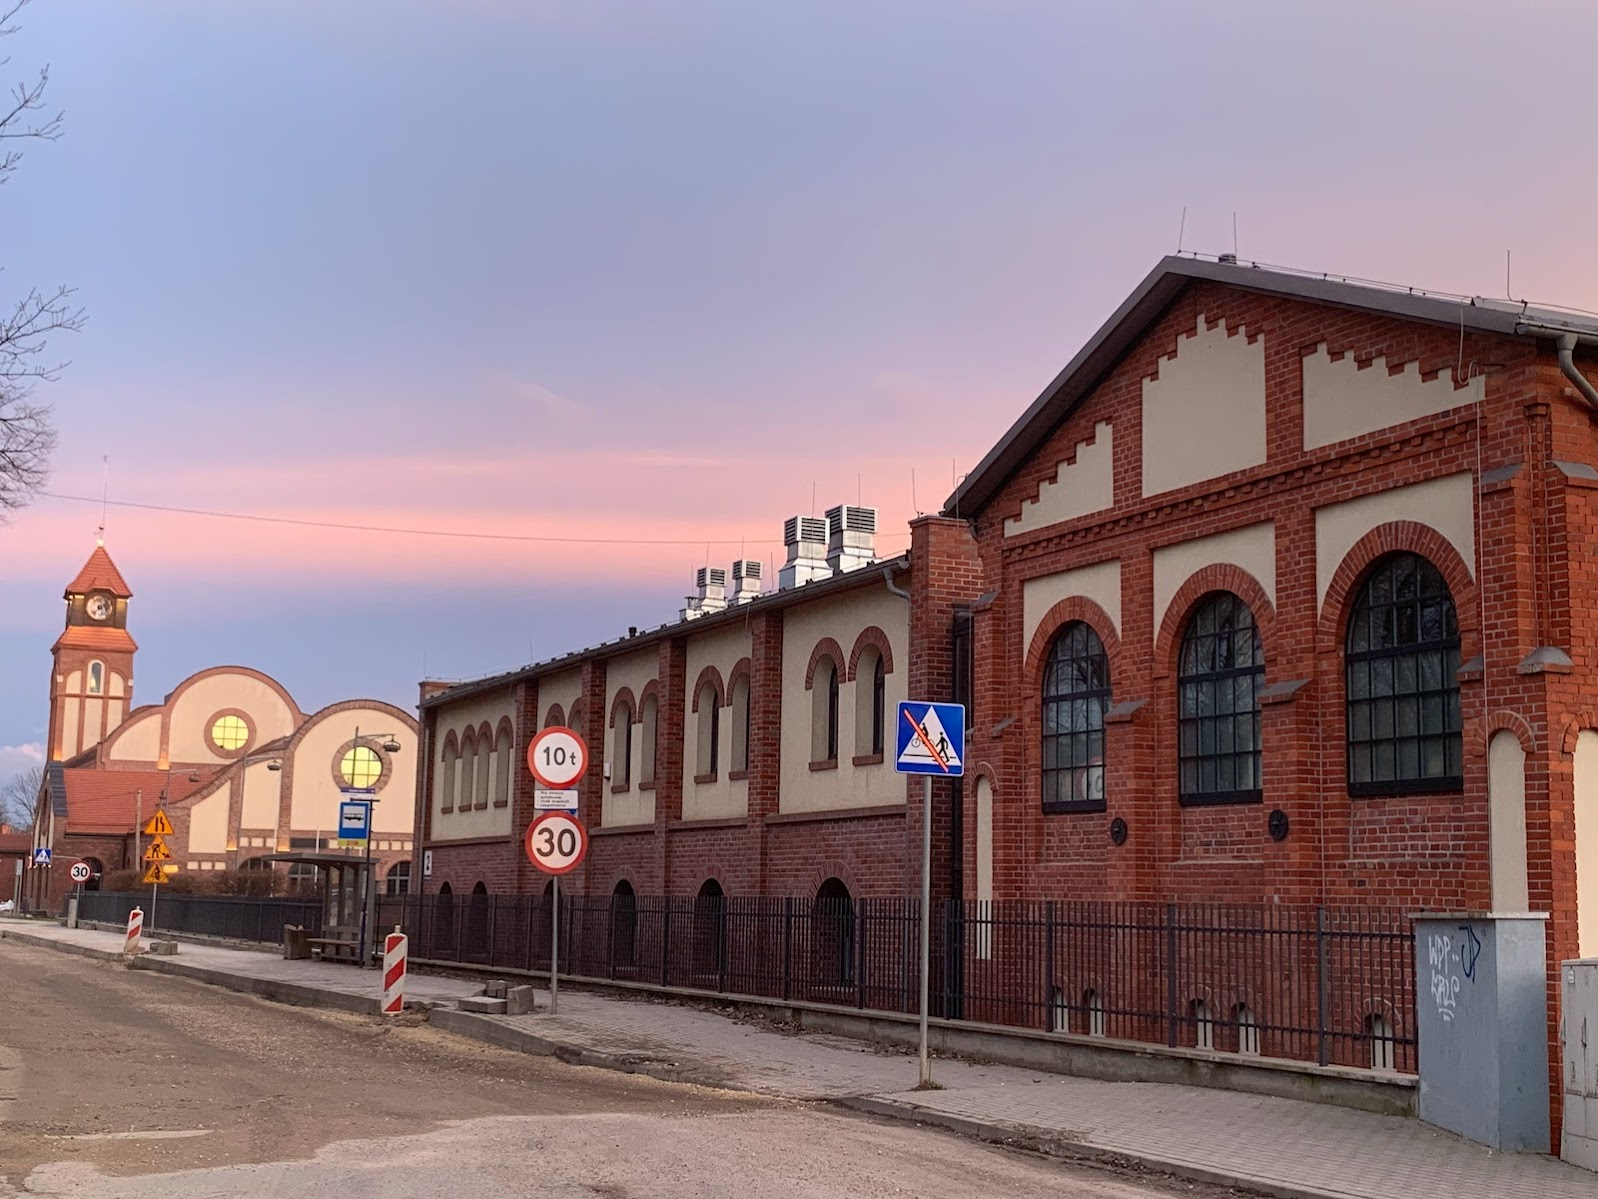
(1283,1146)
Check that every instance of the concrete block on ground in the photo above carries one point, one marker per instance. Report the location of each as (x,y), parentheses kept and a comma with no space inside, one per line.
(519,1000)
(496,988)
(165,948)
(486,1004)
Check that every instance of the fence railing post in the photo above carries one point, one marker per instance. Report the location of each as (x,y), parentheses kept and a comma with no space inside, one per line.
(1323,988)
(665,941)
(1048,967)
(1170,975)
(860,957)
(787,948)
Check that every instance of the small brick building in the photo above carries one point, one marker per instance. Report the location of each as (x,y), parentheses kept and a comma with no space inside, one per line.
(1275,596)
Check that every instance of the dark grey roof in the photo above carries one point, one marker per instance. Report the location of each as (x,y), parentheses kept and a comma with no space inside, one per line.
(55,778)
(1150,300)
(819,589)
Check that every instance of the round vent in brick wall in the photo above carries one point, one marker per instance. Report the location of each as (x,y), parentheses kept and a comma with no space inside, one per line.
(1118,831)
(1278,825)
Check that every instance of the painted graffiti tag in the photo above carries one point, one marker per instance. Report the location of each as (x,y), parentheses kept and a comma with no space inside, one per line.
(1469,951)
(1444,982)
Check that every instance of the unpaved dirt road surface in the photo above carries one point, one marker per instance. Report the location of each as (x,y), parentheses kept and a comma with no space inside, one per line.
(122,1085)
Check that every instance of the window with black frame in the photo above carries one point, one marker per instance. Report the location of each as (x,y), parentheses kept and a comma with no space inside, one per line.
(1219,676)
(1402,663)
(1076,692)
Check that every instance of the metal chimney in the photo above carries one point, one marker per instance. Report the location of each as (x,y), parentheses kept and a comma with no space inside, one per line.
(712,584)
(745,580)
(851,540)
(806,539)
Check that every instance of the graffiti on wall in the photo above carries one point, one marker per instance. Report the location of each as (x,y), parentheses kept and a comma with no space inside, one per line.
(1450,958)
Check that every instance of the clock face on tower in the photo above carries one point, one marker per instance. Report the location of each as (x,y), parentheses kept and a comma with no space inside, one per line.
(99,607)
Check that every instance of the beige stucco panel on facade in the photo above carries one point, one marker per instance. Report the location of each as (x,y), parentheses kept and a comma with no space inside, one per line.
(1251,549)
(189,737)
(1100,583)
(1079,487)
(1204,413)
(635,805)
(723,798)
(1443,504)
(137,741)
(564,689)
(1341,400)
(462,823)
(1585,772)
(263,790)
(208,824)
(843,619)
(93,720)
(313,806)
(118,687)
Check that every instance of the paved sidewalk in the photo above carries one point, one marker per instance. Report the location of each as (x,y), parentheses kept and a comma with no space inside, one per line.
(1281,1147)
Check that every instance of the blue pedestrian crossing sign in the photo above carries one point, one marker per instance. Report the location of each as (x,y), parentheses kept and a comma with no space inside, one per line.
(931,739)
(41,857)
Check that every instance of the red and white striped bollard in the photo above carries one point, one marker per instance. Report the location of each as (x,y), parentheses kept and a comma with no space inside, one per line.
(135,930)
(395,949)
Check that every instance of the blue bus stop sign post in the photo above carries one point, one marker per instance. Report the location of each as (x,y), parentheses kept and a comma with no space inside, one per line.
(930,741)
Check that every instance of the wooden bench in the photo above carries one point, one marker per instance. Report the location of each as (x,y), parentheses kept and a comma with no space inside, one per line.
(338,947)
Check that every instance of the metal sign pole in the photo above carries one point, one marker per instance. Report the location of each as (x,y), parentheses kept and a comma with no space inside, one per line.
(926,917)
(554,946)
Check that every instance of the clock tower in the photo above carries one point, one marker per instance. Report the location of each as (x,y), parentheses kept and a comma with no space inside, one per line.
(91,683)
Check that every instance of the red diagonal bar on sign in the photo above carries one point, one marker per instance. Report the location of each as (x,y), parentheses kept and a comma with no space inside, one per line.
(394,974)
(925,740)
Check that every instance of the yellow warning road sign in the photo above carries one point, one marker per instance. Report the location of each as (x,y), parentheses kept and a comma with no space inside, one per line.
(157,852)
(154,874)
(158,825)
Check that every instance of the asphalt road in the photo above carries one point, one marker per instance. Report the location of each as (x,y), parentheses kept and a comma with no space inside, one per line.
(124,1085)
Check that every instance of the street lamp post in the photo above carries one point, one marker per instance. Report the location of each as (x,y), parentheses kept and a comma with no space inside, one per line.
(369,890)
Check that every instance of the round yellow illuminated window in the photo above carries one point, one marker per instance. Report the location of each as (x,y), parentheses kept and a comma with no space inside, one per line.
(229,733)
(360,767)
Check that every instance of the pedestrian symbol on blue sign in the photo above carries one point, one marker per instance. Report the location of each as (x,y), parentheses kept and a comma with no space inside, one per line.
(931,739)
(41,857)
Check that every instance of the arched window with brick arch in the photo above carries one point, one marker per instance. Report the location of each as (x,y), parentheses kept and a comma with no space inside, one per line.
(1076,693)
(824,712)
(1401,658)
(621,749)
(1219,676)
(446,779)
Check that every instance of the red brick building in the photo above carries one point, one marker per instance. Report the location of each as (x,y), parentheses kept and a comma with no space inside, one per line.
(1272,597)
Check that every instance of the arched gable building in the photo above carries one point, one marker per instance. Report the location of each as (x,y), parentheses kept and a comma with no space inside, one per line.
(241,771)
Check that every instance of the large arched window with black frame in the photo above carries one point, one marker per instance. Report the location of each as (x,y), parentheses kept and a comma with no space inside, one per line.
(1076,692)
(1219,677)
(1402,664)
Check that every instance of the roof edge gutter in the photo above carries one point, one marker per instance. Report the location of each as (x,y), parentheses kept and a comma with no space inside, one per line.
(1566,342)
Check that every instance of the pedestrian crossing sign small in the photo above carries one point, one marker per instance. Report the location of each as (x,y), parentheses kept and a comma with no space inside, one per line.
(931,739)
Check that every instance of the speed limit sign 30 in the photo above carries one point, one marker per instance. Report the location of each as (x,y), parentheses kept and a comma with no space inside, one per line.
(557,757)
(556,843)
(81,872)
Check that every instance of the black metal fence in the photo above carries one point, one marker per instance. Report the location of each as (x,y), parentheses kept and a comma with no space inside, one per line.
(1327,985)
(243,919)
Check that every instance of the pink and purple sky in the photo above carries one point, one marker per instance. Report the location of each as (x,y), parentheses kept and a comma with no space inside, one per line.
(562,268)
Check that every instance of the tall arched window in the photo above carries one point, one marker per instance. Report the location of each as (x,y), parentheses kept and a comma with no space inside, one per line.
(824,712)
(650,720)
(1218,685)
(870,702)
(1076,691)
(709,730)
(466,771)
(503,767)
(739,718)
(621,749)
(1402,661)
(96,678)
(446,779)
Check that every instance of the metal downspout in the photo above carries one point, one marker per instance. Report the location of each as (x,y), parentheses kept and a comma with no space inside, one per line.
(1567,365)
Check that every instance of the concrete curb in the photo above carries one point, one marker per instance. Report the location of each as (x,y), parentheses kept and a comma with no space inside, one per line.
(1062,1145)
(82,951)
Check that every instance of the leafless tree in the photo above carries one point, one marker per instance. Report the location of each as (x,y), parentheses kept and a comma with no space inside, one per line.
(27,436)
(19,798)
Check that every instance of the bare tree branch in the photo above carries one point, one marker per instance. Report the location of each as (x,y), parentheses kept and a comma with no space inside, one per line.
(19,798)
(27,437)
